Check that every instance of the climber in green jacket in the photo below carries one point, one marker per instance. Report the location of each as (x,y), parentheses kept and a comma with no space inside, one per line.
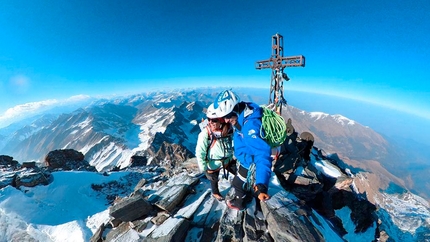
(214,150)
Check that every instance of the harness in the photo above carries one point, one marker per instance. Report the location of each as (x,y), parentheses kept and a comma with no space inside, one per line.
(213,138)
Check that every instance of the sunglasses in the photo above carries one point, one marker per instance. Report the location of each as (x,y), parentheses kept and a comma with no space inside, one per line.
(213,120)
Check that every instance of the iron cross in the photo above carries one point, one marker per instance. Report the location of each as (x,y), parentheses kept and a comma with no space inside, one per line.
(277,62)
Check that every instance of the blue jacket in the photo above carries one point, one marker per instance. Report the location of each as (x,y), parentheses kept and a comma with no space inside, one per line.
(249,147)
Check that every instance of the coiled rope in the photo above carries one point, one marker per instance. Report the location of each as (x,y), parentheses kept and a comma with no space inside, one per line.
(273,128)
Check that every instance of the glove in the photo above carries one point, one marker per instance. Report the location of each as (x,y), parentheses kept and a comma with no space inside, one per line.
(260,192)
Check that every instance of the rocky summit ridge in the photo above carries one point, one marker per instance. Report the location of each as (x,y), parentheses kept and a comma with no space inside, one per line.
(182,209)
(175,204)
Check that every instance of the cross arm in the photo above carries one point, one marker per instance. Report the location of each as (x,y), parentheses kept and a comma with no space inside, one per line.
(279,62)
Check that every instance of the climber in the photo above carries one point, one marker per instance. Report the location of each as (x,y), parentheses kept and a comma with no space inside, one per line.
(214,150)
(251,151)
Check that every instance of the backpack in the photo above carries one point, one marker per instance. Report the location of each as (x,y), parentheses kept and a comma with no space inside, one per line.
(212,136)
(273,128)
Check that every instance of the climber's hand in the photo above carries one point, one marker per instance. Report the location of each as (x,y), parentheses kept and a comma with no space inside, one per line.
(263,196)
(260,191)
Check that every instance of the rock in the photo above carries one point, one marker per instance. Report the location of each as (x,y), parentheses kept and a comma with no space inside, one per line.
(173,192)
(139,185)
(67,159)
(8,162)
(170,154)
(285,223)
(97,236)
(140,225)
(114,222)
(173,230)
(7,179)
(32,179)
(160,218)
(131,208)
(123,232)
(137,160)
(31,164)
(231,226)
(254,224)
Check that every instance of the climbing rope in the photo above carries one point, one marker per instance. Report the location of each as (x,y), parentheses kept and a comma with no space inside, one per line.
(273,128)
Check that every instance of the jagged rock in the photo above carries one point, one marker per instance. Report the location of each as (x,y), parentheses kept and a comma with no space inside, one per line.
(32,178)
(342,183)
(192,204)
(176,232)
(8,162)
(200,217)
(97,236)
(285,223)
(160,218)
(321,184)
(172,193)
(212,220)
(114,222)
(140,225)
(174,154)
(254,225)
(171,196)
(191,166)
(231,226)
(281,218)
(140,184)
(22,236)
(362,211)
(67,159)
(28,177)
(7,179)
(277,219)
(137,160)
(31,164)
(123,232)
(383,236)
(130,208)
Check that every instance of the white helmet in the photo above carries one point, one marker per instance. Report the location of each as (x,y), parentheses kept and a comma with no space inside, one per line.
(225,102)
(211,112)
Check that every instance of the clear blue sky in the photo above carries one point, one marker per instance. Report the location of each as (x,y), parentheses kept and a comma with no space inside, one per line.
(373,50)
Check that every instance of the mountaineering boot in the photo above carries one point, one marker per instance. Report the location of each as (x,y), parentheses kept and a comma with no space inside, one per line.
(235,203)
(236,195)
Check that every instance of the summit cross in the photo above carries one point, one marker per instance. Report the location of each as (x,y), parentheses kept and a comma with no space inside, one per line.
(277,62)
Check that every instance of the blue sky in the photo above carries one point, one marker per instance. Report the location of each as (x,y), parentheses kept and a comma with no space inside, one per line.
(377,51)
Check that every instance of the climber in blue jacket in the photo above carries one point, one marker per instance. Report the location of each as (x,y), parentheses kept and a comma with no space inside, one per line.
(250,149)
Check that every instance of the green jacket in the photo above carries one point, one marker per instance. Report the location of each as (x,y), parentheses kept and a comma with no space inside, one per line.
(220,152)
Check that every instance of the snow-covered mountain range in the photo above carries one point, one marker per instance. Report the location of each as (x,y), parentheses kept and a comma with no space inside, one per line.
(109,132)
(159,125)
